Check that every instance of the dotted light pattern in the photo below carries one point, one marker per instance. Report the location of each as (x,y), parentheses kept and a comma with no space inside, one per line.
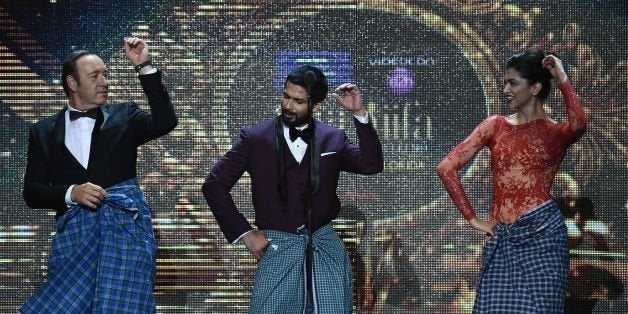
(429,72)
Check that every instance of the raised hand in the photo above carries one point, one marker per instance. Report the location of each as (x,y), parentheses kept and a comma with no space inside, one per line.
(136,50)
(88,194)
(555,67)
(352,99)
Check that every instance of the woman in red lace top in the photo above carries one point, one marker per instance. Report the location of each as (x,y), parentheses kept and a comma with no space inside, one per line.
(525,261)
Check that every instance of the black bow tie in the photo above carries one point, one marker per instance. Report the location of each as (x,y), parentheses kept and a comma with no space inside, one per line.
(304,134)
(91,113)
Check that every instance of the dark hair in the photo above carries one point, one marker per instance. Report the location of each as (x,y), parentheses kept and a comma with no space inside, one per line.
(530,67)
(69,68)
(319,89)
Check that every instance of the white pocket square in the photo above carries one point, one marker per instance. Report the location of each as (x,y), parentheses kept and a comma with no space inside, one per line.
(327,153)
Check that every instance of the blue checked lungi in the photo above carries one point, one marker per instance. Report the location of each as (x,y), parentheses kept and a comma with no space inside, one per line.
(525,264)
(280,277)
(101,261)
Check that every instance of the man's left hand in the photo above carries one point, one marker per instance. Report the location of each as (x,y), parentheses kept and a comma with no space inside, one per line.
(136,50)
(352,100)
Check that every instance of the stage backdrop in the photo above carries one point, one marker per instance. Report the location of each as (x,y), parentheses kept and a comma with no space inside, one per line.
(429,72)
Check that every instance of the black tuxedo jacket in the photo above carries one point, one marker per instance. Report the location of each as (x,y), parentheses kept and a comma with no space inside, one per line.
(119,130)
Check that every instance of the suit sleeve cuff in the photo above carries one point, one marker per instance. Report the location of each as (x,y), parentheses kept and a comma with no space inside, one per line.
(240,237)
(68,196)
(363,119)
(151,70)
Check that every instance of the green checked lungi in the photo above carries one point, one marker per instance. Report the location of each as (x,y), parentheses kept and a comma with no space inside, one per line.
(101,261)
(525,264)
(280,277)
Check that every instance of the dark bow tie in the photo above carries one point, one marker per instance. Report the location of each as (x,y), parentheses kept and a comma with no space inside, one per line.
(304,134)
(91,113)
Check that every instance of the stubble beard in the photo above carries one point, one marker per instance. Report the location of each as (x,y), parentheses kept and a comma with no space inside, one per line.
(299,121)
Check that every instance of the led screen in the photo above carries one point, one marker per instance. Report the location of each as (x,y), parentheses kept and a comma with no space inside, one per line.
(429,72)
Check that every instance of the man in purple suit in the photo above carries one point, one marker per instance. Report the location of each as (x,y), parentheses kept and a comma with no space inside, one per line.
(294,163)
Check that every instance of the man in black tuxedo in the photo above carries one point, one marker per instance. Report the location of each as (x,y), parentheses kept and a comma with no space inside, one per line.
(82,163)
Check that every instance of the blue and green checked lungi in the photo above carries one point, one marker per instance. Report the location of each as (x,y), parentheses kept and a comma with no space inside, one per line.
(280,277)
(525,264)
(101,261)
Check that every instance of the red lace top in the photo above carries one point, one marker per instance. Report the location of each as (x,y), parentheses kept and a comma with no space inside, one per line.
(524,159)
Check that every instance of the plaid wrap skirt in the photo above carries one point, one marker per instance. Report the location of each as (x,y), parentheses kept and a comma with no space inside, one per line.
(525,265)
(280,277)
(101,261)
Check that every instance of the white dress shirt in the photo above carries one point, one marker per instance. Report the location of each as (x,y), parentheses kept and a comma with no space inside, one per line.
(78,136)
(298,147)
(78,140)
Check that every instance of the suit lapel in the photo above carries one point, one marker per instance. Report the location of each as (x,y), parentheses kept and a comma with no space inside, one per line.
(314,150)
(315,157)
(58,132)
(280,145)
(58,129)
(95,134)
(59,136)
(104,112)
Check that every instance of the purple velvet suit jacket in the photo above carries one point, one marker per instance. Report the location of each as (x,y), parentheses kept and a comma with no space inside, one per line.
(255,152)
